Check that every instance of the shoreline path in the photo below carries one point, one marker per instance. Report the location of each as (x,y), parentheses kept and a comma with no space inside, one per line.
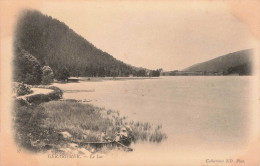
(36,91)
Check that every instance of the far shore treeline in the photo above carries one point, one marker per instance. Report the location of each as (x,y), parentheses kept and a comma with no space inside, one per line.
(44,42)
(235,63)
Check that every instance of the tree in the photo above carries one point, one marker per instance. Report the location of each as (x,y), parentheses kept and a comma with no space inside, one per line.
(155,73)
(62,74)
(140,73)
(47,75)
(27,69)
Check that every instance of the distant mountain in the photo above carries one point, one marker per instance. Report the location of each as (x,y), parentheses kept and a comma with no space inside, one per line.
(239,62)
(54,44)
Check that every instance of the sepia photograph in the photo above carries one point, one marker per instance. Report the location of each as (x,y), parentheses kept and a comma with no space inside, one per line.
(130,83)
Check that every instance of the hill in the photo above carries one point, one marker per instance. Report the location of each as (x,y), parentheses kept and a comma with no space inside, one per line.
(54,44)
(239,62)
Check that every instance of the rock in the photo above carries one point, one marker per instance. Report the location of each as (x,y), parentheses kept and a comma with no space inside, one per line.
(41,144)
(66,150)
(87,132)
(73,145)
(65,134)
(99,155)
(85,136)
(86,100)
(84,151)
(49,151)
(92,150)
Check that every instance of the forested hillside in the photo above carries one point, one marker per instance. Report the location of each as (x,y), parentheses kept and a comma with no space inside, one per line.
(239,62)
(54,44)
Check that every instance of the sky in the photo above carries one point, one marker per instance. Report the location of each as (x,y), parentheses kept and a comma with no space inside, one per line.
(170,35)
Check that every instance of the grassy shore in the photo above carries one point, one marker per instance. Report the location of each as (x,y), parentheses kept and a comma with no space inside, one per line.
(87,122)
(38,127)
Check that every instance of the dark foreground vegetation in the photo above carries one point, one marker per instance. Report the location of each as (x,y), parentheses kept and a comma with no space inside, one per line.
(39,125)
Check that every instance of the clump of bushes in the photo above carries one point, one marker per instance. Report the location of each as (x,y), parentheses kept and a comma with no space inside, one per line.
(47,75)
(21,89)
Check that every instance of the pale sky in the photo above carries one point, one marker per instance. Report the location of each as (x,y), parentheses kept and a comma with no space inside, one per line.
(168,35)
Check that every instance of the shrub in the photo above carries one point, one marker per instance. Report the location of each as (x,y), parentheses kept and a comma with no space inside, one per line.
(23,89)
(27,69)
(47,75)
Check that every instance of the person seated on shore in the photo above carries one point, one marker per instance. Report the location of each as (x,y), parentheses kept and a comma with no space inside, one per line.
(121,135)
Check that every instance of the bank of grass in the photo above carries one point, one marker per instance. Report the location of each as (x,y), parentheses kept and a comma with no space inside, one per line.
(38,127)
(86,122)
(28,123)
(81,120)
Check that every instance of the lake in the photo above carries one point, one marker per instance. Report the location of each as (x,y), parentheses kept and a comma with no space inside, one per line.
(198,114)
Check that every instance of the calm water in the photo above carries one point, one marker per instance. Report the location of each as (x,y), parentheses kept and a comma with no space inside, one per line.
(197,112)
